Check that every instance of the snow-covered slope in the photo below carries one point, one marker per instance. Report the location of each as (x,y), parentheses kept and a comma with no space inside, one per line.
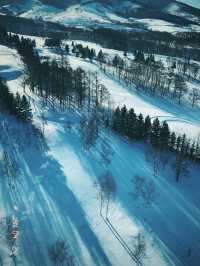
(56,196)
(181,119)
(110,13)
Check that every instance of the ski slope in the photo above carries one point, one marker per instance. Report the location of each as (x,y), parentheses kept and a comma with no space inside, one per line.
(182,119)
(56,196)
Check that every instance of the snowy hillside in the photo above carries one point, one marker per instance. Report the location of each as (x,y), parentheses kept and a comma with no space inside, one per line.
(181,119)
(99,133)
(121,14)
(51,186)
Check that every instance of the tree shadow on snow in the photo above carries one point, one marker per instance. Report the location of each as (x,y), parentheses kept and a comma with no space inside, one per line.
(47,208)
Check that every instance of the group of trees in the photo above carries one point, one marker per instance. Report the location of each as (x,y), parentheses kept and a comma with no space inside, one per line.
(83,52)
(145,74)
(150,76)
(136,127)
(57,82)
(15,104)
(53,42)
(187,68)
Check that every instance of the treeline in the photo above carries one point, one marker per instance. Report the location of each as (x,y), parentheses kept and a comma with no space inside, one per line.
(52,42)
(151,76)
(136,127)
(57,82)
(152,42)
(59,86)
(148,41)
(15,104)
(83,52)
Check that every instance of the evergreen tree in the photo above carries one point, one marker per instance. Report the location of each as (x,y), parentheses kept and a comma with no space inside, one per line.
(100,56)
(115,61)
(139,57)
(197,152)
(131,124)
(178,143)
(172,141)
(123,120)
(183,144)
(147,126)
(164,136)
(92,54)
(192,151)
(155,133)
(67,50)
(116,119)
(25,108)
(140,130)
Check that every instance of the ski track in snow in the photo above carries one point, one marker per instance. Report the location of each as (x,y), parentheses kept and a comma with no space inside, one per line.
(56,197)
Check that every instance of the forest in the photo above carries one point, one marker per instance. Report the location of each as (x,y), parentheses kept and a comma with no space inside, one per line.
(58,84)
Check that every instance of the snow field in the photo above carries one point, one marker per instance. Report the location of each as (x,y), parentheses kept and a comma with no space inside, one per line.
(58,196)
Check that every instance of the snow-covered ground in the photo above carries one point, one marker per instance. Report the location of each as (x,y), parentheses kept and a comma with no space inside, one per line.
(77,15)
(181,119)
(93,14)
(56,195)
(162,25)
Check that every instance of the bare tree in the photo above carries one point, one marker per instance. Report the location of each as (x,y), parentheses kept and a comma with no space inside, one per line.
(60,254)
(181,166)
(106,154)
(144,188)
(180,88)
(89,130)
(154,156)
(139,249)
(107,189)
(194,96)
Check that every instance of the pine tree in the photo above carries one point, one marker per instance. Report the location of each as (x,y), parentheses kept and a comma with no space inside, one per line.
(25,114)
(139,57)
(115,61)
(123,120)
(140,132)
(131,124)
(164,136)
(100,57)
(155,133)
(67,50)
(147,126)
(116,119)
(92,54)
(197,152)
(183,144)
(192,151)
(172,141)
(178,143)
